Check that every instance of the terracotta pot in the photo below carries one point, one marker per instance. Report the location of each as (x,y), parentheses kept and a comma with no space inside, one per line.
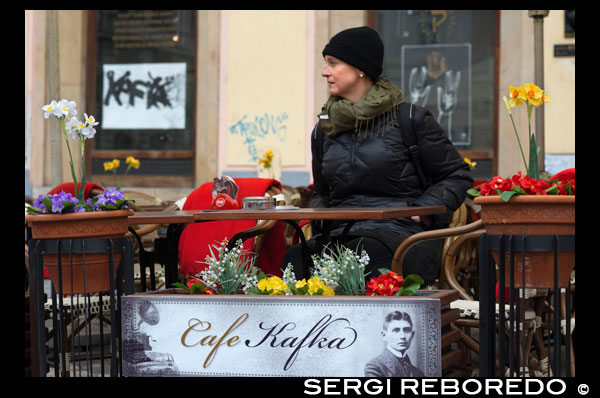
(102,224)
(532,215)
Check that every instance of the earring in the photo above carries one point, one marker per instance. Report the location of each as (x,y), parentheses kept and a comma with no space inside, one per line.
(361,75)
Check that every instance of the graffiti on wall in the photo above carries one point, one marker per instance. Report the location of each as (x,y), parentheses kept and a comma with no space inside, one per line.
(252,131)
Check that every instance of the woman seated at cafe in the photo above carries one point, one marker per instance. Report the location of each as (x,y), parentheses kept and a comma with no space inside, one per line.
(359,159)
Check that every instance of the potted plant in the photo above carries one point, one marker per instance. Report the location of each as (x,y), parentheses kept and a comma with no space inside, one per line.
(338,271)
(232,319)
(64,216)
(528,205)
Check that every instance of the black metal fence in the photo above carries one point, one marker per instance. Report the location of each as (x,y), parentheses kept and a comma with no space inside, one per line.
(84,338)
(508,331)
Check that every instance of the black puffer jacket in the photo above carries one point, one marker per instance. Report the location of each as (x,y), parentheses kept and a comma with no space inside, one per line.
(354,170)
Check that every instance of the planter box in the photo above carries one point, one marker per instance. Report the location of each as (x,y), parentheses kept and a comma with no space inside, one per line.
(170,334)
(530,216)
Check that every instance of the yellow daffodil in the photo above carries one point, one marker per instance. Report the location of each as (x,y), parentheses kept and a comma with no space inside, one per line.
(517,96)
(133,162)
(470,163)
(267,160)
(533,96)
(112,166)
(115,163)
(108,166)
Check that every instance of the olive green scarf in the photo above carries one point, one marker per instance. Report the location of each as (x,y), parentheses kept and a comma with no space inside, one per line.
(370,114)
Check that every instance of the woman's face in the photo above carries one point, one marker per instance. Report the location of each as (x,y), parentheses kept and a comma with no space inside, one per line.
(343,79)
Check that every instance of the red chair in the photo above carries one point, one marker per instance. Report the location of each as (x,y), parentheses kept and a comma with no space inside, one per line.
(91,189)
(266,239)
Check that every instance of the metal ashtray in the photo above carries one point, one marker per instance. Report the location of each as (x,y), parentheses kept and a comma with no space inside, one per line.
(258,202)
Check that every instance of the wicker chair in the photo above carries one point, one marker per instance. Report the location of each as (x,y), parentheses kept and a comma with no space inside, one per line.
(459,272)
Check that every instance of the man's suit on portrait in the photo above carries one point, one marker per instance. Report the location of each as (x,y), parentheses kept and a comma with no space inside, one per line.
(389,365)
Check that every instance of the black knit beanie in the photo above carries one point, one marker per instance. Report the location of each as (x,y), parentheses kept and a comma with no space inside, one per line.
(360,47)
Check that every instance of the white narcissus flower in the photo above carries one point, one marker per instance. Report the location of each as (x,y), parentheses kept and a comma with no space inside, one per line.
(88,131)
(53,108)
(73,127)
(90,121)
(68,107)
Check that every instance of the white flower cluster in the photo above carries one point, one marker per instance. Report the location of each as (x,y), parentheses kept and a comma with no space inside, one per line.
(228,270)
(250,281)
(342,269)
(74,127)
(288,277)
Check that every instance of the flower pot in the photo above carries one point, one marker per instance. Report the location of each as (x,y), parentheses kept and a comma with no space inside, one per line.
(102,224)
(532,215)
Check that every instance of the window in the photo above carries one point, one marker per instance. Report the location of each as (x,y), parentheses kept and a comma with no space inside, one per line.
(445,61)
(144,95)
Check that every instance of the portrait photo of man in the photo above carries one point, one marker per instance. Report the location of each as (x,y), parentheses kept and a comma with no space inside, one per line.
(398,334)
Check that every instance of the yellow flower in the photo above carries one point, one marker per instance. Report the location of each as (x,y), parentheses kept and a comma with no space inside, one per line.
(266,162)
(300,284)
(274,285)
(111,166)
(470,163)
(535,95)
(133,162)
(517,96)
(262,285)
(314,284)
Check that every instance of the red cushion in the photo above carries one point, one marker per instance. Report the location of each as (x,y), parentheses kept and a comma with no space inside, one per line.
(566,174)
(69,187)
(196,238)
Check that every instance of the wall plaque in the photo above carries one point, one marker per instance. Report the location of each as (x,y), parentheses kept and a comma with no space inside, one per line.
(564,50)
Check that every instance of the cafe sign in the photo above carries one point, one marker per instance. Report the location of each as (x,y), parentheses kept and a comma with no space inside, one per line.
(197,335)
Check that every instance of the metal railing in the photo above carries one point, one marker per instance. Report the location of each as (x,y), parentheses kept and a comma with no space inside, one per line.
(506,338)
(77,344)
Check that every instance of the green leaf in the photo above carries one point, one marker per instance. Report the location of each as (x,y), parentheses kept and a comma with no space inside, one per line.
(473,192)
(533,159)
(410,285)
(519,190)
(253,290)
(48,203)
(33,210)
(302,291)
(197,288)
(181,286)
(383,271)
(412,279)
(569,189)
(261,275)
(507,195)
(553,190)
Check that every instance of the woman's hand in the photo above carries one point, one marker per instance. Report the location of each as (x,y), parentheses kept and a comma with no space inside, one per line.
(426,220)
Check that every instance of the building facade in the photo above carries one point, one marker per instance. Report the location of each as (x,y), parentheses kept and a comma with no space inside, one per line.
(198,94)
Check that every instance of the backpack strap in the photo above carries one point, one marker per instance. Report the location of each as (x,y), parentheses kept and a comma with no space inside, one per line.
(405,112)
